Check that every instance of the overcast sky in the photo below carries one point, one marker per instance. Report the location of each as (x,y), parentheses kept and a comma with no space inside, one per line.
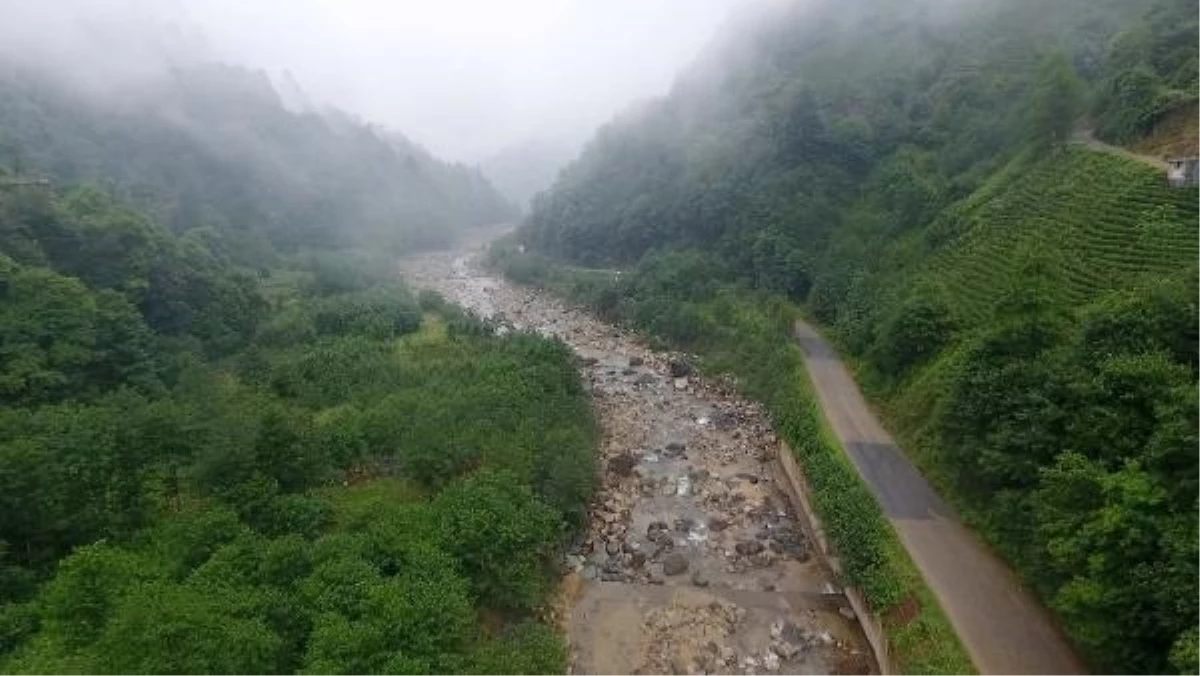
(463,77)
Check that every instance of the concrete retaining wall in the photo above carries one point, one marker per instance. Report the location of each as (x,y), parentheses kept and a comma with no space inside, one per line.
(798,490)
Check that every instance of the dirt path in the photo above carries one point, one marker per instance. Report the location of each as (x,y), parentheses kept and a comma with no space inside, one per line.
(1087,138)
(1003,627)
(694,561)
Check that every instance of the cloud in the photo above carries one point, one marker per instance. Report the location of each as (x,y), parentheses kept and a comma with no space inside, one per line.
(467,77)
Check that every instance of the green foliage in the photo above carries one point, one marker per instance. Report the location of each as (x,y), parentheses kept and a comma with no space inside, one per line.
(1185,654)
(223,431)
(1055,102)
(230,551)
(175,500)
(1023,308)
(527,648)
(1152,70)
(173,629)
(913,332)
(500,534)
(77,603)
(1080,448)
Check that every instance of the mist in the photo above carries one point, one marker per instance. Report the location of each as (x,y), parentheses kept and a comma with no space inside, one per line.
(465,78)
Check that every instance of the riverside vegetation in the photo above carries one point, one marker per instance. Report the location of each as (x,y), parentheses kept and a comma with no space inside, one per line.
(1023,309)
(230,442)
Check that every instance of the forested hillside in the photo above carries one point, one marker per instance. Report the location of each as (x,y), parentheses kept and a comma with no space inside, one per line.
(230,440)
(211,146)
(1023,308)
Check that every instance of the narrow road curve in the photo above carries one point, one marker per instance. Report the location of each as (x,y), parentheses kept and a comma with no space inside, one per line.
(1003,627)
(1087,138)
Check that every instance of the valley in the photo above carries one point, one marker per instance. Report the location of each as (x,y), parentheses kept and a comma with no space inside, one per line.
(694,561)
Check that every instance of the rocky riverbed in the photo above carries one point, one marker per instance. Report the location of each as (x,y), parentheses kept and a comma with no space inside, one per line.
(694,560)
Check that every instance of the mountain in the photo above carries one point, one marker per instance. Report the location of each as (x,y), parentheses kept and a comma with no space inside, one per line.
(1022,305)
(523,170)
(210,145)
(231,441)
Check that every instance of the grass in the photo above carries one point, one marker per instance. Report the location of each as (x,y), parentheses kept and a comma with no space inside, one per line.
(352,503)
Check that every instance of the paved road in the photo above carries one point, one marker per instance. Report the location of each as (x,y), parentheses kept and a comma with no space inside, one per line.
(1001,624)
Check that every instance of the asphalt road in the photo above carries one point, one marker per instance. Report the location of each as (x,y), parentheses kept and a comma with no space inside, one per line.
(1002,625)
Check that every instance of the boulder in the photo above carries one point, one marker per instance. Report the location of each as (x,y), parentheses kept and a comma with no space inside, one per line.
(679,368)
(622,465)
(748,547)
(675,564)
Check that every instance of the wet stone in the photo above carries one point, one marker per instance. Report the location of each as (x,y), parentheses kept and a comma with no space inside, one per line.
(622,465)
(675,564)
(790,633)
(748,547)
(679,368)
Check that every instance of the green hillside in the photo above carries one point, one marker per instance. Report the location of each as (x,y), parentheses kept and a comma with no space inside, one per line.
(212,146)
(1023,308)
(230,440)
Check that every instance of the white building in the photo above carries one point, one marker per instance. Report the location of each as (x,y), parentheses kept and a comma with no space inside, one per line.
(1183,171)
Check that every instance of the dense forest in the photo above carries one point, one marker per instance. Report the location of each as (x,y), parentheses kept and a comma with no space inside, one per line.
(230,440)
(1021,306)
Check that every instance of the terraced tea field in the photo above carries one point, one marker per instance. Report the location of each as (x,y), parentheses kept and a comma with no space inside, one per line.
(1099,222)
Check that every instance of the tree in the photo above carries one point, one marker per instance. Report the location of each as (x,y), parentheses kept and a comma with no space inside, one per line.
(77,604)
(173,629)
(1054,102)
(501,536)
(913,332)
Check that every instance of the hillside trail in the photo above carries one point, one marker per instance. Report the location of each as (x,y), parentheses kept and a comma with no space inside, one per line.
(1000,623)
(694,561)
(1087,138)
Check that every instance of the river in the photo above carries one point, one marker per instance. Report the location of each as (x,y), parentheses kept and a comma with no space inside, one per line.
(694,560)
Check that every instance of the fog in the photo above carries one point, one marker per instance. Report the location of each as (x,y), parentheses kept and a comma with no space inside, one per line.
(465,78)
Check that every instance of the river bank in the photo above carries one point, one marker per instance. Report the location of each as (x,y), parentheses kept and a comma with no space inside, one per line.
(694,560)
